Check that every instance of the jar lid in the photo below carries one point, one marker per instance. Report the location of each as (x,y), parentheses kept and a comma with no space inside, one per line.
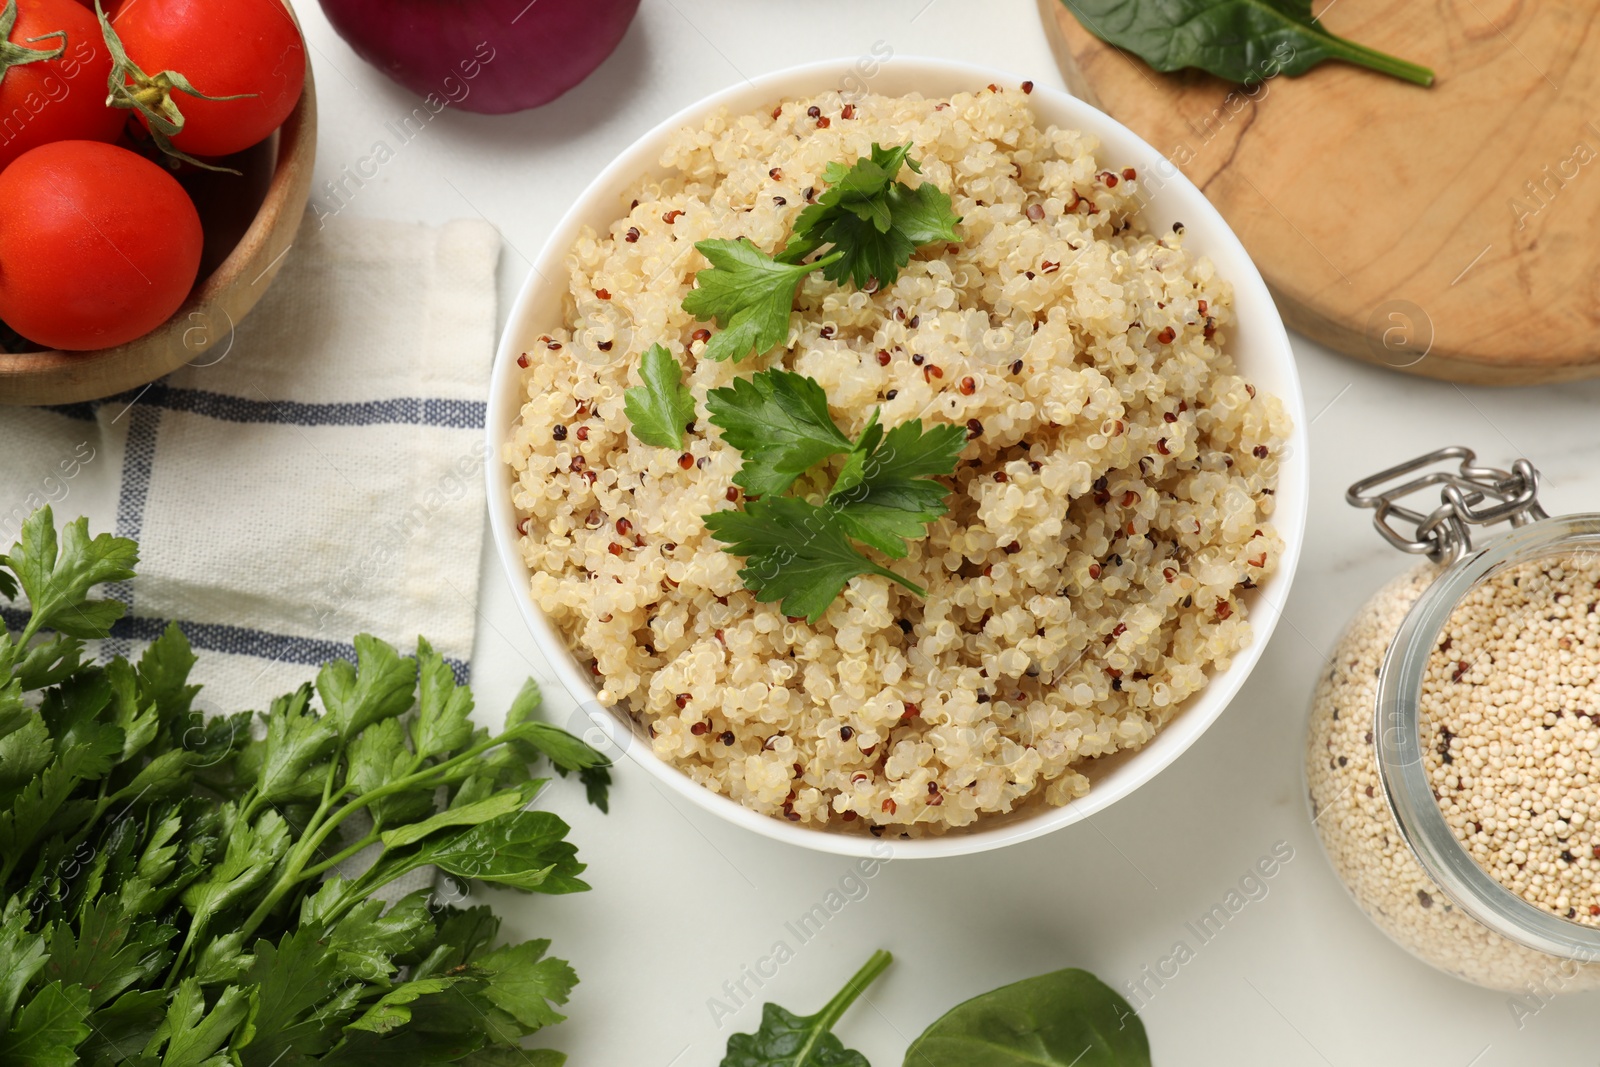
(1401,768)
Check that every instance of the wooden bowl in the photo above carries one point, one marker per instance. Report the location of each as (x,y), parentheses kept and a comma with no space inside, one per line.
(218,303)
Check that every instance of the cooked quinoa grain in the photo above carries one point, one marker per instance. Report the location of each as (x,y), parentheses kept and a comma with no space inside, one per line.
(1110,508)
(1487,729)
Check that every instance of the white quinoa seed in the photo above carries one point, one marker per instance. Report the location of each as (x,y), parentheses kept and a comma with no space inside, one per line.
(1110,506)
(1501,632)
(1512,697)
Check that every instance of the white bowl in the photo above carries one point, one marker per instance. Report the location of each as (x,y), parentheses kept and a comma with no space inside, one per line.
(1259,346)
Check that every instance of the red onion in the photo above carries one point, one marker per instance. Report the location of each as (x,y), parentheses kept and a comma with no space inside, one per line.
(490,56)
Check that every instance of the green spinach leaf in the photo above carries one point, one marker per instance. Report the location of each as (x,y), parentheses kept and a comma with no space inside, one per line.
(789,1040)
(1063,1019)
(1243,41)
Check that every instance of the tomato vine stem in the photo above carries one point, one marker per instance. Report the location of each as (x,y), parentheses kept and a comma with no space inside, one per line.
(13,54)
(130,88)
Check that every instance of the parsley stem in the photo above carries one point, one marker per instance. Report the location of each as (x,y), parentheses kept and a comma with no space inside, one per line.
(417,777)
(797,249)
(249,805)
(795,252)
(195,927)
(334,861)
(301,853)
(892,576)
(294,871)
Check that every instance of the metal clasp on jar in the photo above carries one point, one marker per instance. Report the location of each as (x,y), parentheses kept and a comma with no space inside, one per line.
(1471,496)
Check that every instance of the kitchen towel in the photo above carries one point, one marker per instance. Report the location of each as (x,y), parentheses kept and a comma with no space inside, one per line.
(317,475)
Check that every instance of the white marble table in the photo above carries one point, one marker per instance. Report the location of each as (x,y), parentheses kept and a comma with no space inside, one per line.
(683,903)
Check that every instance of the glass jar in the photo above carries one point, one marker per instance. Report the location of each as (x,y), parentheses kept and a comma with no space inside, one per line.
(1472,847)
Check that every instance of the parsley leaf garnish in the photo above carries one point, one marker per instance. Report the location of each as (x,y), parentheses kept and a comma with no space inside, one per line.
(799,552)
(875,221)
(921,215)
(748,292)
(660,408)
(885,494)
(779,420)
(795,552)
(874,224)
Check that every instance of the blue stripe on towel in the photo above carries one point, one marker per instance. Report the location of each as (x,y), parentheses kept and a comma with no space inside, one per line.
(138,457)
(144,425)
(215,637)
(82,412)
(406,410)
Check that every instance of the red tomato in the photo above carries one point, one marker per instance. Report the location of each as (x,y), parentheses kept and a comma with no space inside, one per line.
(223,47)
(98,245)
(56,99)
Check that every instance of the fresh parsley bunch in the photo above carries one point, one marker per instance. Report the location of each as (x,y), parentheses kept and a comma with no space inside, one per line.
(872,223)
(168,881)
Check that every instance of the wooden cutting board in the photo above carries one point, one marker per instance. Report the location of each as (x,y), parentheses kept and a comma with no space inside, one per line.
(1452,232)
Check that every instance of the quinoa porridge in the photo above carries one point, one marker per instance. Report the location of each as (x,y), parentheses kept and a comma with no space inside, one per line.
(1509,710)
(1110,509)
